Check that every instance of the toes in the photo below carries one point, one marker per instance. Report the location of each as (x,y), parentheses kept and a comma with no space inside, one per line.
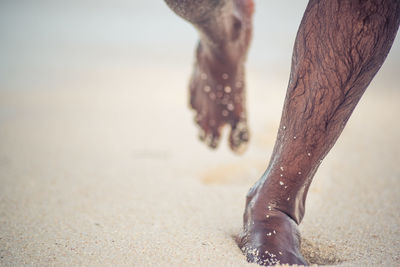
(211,139)
(239,137)
(208,133)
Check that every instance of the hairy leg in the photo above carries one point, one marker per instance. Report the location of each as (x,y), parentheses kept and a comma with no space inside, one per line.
(217,85)
(339,48)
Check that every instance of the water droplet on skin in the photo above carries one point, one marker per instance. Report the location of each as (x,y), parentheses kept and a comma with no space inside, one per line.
(281,168)
(269,207)
(269,234)
(225,76)
(281,183)
(267,216)
(227,89)
(203,76)
(284,127)
(207,89)
(230,106)
(299,173)
(294,137)
(280,253)
(309,154)
(285,186)
(288,199)
(225,113)
(281,175)
(274,232)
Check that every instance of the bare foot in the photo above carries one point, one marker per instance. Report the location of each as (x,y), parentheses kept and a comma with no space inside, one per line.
(217,86)
(269,235)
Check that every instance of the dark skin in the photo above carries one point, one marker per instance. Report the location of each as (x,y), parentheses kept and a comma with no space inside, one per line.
(217,86)
(340,46)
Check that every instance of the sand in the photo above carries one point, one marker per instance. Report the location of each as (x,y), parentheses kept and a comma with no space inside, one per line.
(100,165)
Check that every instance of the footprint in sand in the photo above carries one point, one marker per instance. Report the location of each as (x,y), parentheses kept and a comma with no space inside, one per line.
(244,172)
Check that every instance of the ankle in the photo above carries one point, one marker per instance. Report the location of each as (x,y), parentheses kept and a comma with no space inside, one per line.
(280,193)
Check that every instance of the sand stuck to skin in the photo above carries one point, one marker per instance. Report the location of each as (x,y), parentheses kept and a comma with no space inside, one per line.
(100,164)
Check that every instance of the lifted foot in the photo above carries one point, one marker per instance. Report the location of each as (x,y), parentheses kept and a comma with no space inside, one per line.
(217,86)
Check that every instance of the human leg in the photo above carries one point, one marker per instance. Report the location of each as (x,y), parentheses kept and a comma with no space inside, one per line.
(217,85)
(339,48)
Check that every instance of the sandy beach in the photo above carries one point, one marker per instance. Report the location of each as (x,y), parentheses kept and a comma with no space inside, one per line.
(100,164)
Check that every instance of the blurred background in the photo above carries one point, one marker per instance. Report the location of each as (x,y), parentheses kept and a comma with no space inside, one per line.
(45,43)
(97,141)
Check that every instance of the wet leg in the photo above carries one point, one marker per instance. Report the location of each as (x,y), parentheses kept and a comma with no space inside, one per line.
(217,85)
(339,48)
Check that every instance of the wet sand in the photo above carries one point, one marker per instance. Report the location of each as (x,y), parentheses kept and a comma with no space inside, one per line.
(100,164)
